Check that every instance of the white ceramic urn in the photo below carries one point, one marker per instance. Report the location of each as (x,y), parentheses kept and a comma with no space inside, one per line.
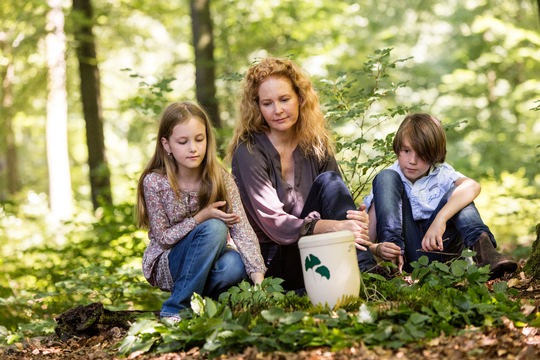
(330,267)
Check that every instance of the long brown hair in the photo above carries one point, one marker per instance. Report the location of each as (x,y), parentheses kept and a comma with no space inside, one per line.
(311,125)
(212,185)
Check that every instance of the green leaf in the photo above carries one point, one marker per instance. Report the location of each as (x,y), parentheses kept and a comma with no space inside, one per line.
(500,287)
(458,267)
(417,318)
(273,314)
(211,307)
(292,318)
(197,304)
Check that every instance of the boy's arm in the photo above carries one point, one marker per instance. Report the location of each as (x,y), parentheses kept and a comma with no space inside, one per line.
(466,191)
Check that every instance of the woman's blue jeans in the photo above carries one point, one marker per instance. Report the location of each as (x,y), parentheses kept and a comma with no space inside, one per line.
(331,198)
(201,263)
(395,221)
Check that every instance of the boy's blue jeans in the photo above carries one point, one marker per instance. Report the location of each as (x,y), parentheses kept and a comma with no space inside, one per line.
(331,198)
(201,263)
(395,222)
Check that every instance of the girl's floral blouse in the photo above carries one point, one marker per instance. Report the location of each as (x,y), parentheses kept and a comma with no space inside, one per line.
(170,222)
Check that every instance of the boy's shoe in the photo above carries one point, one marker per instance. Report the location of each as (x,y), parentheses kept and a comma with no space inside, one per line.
(487,255)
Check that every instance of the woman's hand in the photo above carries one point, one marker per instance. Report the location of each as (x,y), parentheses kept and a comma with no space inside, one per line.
(212,211)
(358,222)
(357,226)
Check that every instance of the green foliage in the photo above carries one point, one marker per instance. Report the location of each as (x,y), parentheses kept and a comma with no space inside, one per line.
(45,273)
(152,96)
(357,99)
(440,298)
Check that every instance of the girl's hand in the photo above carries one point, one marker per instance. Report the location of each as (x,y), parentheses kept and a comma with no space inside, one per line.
(257,278)
(212,211)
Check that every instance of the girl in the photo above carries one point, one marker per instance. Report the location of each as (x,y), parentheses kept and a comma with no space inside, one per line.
(189,203)
(422,206)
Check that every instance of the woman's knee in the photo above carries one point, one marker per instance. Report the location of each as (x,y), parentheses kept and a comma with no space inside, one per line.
(327,177)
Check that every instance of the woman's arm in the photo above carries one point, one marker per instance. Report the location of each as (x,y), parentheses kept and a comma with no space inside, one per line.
(260,198)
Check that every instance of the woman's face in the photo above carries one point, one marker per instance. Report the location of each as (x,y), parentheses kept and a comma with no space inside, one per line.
(279,104)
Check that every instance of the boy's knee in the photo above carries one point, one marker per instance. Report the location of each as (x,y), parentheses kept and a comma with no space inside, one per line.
(387,175)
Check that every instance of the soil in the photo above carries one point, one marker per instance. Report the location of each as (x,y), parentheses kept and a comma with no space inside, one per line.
(508,342)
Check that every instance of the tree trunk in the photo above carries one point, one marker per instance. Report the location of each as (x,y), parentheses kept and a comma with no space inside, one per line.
(91,101)
(203,43)
(10,164)
(532,267)
(60,196)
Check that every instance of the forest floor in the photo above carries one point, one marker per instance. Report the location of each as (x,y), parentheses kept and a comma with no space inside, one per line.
(508,342)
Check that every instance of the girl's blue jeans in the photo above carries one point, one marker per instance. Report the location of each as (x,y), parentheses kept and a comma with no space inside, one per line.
(331,198)
(201,263)
(395,221)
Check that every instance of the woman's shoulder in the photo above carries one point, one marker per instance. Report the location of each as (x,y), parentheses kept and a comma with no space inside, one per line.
(253,147)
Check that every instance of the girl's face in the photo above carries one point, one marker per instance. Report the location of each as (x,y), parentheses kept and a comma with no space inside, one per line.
(187,144)
(279,104)
(410,164)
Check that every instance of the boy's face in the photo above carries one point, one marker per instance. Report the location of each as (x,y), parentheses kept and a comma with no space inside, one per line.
(410,164)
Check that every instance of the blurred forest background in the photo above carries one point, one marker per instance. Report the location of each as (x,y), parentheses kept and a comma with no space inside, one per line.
(83,83)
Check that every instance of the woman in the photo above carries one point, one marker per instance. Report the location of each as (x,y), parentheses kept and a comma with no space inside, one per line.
(283,162)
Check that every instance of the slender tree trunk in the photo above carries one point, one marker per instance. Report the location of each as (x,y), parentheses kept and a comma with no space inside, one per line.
(60,196)
(10,163)
(91,100)
(532,267)
(203,43)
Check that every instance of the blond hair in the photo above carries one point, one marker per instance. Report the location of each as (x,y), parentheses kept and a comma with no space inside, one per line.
(212,185)
(314,136)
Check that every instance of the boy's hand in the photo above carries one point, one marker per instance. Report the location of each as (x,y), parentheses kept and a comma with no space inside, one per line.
(387,251)
(433,239)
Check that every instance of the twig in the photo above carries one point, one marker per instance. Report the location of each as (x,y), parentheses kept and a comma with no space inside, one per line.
(437,251)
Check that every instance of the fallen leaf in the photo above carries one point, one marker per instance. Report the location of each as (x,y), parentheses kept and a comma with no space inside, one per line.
(513,282)
(527,309)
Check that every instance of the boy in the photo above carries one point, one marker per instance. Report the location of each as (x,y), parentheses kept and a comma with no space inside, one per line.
(422,206)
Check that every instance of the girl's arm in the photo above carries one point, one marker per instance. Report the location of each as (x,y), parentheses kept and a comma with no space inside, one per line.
(160,200)
(466,191)
(243,235)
